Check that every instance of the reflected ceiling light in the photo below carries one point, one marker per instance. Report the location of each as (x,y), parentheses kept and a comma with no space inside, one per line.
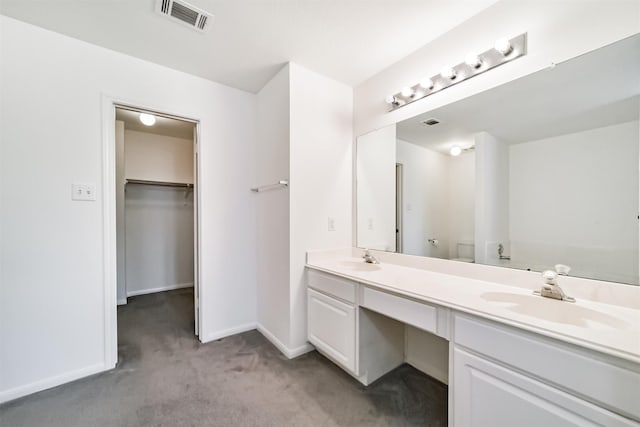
(503,45)
(147,119)
(407,92)
(426,83)
(504,50)
(473,60)
(455,150)
(448,73)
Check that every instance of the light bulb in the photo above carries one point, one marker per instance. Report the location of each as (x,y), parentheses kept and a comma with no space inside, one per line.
(391,100)
(147,119)
(448,73)
(503,46)
(473,60)
(407,92)
(426,83)
(455,150)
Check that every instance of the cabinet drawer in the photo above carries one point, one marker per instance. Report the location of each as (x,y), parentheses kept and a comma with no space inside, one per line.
(414,313)
(331,327)
(609,382)
(332,285)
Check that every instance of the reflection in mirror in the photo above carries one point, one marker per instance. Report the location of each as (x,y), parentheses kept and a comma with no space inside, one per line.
(546,173)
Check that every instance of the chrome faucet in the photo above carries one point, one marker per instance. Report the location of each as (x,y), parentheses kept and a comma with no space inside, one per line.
(369,258)
(551,289)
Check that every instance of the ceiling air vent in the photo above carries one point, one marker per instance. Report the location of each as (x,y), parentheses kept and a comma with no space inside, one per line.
(185,13)
(430,122)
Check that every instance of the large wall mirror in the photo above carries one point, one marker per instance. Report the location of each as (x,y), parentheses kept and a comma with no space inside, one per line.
(537,172)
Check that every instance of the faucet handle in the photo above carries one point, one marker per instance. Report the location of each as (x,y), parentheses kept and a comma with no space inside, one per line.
(550,277)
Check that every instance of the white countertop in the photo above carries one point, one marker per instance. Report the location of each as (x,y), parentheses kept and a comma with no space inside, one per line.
(607,328)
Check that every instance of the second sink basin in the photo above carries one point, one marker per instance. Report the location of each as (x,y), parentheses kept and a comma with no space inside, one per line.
(553,310)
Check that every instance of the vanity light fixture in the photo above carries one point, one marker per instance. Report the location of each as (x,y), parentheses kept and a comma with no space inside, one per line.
(426,83)
(392,100)
(448,73)
(503,45)
(473,60)
(147,119)
(407,92)
(504,50)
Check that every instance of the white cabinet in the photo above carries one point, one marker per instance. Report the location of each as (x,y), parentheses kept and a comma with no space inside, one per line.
(487,394)
(504,376)
(331,327)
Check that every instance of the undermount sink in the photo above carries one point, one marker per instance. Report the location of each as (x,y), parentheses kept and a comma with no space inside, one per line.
(553,310)
(360,265)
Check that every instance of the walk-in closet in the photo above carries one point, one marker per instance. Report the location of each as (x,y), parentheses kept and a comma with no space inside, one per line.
(155,203)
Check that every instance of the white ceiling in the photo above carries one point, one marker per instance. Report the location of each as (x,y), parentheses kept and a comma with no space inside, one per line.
(163,126)
(250,40)
(598,89)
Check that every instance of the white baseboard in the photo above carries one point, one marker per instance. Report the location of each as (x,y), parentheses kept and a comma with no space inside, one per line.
(161,289)
(227,332)
(122,301)
(36,386)
(291,353)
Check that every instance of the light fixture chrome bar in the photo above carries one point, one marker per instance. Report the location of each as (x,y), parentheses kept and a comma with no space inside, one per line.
(280,184)
(159,183)
(489,59)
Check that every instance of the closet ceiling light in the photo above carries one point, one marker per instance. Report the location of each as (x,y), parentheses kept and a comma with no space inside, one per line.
(147,119)
(455,150)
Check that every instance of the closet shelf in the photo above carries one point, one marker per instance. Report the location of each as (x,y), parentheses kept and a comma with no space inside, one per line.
(159,183)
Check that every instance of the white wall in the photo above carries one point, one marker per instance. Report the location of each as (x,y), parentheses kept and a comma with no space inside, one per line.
(158,157)
(376,189)
(461,201)
(557,31)
(159,239)
(273,247)
(425,200)
(304,130)
(321,173)
(491,198)
(51,288)
(573,200)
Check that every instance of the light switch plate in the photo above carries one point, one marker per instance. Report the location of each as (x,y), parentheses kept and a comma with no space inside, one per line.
(83,192)
(331,224)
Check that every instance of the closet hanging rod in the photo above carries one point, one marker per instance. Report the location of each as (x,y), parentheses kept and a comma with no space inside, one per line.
(270,186)
(159,183)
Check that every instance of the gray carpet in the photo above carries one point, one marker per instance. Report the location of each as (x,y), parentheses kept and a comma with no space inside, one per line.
(165,377)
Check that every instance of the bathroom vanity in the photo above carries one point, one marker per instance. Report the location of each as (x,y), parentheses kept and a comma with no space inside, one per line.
(514,358)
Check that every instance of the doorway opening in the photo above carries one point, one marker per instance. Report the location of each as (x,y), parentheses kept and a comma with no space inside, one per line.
(156,217)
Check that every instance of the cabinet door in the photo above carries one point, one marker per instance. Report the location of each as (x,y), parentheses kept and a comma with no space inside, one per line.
(331,327)
(487,394)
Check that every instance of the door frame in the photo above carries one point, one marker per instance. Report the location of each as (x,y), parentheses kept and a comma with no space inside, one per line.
(399,206)
(109,104)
